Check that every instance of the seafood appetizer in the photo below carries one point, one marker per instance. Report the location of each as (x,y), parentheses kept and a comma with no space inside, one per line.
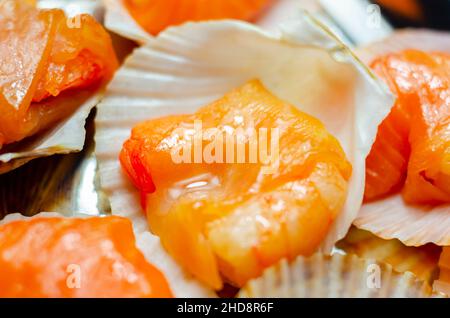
(412,149)
(141,20)
(231,219)
(93,257)
(407,189)
(301,114)
(155,15)
(241,148)
(51,72)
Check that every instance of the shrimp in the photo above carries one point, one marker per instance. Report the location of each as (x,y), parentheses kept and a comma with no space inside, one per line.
(227,217)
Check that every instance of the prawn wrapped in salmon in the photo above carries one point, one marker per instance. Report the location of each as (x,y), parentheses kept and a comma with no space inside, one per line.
(407,193)
(67,257)
(412,149)
(228,219)
(50,64)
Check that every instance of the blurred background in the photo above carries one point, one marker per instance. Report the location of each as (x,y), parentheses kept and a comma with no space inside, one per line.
(400,13)
(417,13)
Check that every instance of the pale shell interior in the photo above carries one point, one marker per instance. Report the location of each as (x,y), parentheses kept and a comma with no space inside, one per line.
(421,261)
(65,137)
(338,276)
(120,21)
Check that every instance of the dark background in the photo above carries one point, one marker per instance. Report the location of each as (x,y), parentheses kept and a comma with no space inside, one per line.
(433,13)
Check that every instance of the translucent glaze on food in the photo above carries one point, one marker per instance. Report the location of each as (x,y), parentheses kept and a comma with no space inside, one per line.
(229,221)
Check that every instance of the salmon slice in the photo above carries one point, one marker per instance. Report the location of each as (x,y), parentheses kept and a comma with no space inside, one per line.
(229,211)
(44,54)
(410,9)
(64,257)
(413,143)
(428,180)
(156,15)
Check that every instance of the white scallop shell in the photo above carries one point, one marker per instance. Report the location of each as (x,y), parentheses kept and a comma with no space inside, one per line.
(421,39)
(66,137)
(413,225)
(189,66)
(337,276)
(392,218)
(119,20)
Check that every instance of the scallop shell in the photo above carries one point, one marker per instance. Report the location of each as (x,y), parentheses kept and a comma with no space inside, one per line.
(390,218)
(119,20)
(181,283)
(181,286)
(189,66)
(443,284)
(337,276)
(420,39)
(65,137)
(421,261)
(64,183)
(17,216)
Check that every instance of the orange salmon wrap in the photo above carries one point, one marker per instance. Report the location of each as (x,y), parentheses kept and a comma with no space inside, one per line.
(45,55)
(68,257)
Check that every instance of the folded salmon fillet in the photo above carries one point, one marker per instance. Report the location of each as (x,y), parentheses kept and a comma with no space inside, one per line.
(412,148)
(43,55)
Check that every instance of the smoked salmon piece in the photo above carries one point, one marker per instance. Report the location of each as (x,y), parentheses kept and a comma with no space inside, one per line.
(410,9)
(156,15)
(412,148)
(65,257)
(239,185)
(44,55)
